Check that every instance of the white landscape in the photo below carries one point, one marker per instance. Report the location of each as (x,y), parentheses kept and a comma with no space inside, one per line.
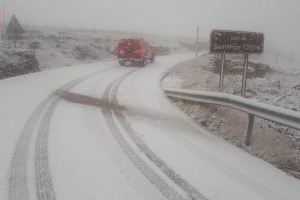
(85,111)
(89,158)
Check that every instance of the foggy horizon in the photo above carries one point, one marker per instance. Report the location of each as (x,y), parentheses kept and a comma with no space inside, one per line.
(278,20)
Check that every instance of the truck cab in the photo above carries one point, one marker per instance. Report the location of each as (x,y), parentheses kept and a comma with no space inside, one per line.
(135,51)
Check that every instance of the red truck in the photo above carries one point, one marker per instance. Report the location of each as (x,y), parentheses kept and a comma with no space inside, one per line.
(136,51)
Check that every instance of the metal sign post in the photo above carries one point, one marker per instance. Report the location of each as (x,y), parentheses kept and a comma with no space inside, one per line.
(2,15)
(236,42)
(244,81)
(221,81)
(197,42)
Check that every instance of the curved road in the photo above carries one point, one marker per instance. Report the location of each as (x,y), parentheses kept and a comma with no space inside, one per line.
(110,133)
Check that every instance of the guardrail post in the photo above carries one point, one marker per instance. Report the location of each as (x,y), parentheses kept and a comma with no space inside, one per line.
(249,129)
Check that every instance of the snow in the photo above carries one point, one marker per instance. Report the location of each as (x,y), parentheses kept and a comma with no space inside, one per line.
(278,60)
(169,137)
(86,160)
(19,98)
(67,47)
(271,142)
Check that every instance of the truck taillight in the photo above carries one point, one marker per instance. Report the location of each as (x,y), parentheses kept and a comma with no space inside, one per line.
(142,52)
(121,51)
(139,52)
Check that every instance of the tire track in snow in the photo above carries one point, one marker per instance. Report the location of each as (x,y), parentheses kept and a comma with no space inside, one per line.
(141,165)
(44,185)
(43,181)
(191,191)
(18,186)
(18,183)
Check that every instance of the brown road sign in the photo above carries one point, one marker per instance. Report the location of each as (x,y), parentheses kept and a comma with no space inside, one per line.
(236,42)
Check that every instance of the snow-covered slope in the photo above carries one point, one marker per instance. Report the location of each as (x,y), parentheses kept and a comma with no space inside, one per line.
(57,47)
(114,135)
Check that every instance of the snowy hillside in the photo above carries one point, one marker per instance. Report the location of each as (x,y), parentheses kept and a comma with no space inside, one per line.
(276,144)
(57,47)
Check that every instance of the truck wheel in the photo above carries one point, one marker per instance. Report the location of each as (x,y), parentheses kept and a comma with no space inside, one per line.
(143,63)
(152,60)
(122,62)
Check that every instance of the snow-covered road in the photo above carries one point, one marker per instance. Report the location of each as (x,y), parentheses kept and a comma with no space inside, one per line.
(101,131)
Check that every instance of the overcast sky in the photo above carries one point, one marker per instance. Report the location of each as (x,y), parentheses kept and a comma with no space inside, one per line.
(278,19)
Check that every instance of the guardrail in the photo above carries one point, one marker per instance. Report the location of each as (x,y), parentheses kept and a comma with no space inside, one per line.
(272,113)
